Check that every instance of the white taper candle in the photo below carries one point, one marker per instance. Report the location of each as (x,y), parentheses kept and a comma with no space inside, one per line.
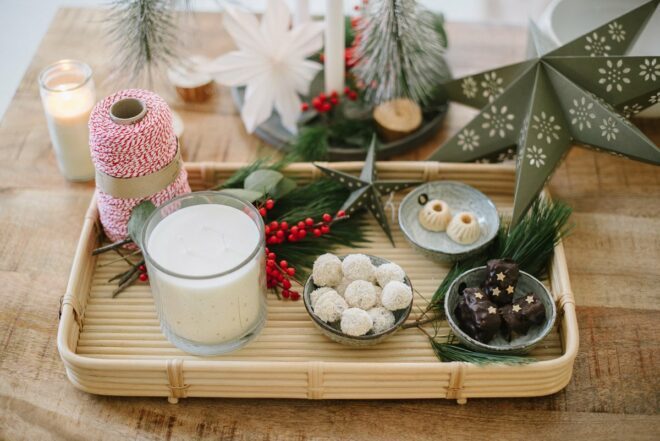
(301,13)
(334,46)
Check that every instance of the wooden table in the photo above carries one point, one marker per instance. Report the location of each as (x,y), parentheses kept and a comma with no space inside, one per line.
(613,258)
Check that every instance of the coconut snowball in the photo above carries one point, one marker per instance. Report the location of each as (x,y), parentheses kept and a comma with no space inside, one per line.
(389,272)
(396,295)
(382,318)
(355,322)
(327,270)
(358,267)
(315,295)
(341,288)
(360,294)
(330,306)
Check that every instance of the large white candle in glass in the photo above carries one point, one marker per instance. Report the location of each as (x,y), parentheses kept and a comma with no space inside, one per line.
(68,96)
(205,259)
(334,46)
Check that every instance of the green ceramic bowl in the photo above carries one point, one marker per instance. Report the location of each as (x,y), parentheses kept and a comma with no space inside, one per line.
(332,330)
(499,344)
(459,197)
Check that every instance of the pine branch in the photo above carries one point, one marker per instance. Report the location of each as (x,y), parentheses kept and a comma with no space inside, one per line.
(453,352)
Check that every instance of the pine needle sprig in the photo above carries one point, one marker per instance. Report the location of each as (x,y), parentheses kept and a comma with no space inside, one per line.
(311,144)
(453,352)
(311,200)
(145,35)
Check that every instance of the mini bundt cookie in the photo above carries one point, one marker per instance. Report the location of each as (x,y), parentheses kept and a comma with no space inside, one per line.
(435,215)
(464,228)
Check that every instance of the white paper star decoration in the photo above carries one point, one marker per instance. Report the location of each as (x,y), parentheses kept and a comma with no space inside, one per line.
(271,62)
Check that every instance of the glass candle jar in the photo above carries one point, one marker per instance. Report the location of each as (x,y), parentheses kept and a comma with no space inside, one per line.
(68,96)
(205,256)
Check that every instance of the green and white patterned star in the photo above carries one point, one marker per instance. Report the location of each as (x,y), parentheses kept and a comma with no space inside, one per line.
(366,190)
(579,93)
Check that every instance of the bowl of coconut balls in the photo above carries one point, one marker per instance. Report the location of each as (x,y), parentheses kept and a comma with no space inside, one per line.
(357,300)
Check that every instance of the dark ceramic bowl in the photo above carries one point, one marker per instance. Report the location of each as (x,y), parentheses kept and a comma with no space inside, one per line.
(499,344)
(332,330)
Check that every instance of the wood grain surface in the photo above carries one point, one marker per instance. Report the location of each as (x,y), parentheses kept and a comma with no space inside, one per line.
(613,258)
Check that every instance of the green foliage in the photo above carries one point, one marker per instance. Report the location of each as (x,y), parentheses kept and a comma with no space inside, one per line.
(311,144)
(453,352)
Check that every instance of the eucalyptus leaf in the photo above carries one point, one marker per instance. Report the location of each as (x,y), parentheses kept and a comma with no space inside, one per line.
(263,180)
(138,218)
(246,195)
(284,187)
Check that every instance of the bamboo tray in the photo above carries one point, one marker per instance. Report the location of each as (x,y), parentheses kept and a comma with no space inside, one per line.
(115,347)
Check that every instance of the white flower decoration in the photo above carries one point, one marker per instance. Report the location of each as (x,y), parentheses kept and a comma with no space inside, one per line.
(546,127)
(271,61)
(498,121)
(614,75)
(597,46)
(609,129)
(616,31)
(655,99)
(492,85)
(650,69)
(468,140)
(536,157)
(469,87)
(629,111)
(581,113)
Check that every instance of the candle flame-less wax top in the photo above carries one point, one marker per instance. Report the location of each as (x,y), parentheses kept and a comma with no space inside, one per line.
(203,240)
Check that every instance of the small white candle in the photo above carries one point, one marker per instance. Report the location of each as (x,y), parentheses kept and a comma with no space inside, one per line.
(68,96)
(301,13)
(334,46)
(201,241)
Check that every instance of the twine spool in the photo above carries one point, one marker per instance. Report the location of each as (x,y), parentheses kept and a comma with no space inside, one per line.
(135,152)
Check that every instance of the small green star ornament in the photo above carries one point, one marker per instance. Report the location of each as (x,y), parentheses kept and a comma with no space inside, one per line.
(582,92)
(366,190)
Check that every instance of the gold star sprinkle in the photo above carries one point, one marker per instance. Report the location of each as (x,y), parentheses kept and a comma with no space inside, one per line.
(510,289)
(492,310)
(501,276)
(529,299)
(496,291)
(479,295)
(516,308)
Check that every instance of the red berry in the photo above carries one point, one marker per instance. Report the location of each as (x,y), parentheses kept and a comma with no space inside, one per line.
(270,204)
(352,96)
(274,225)
(262,212)
(292,238)
(347,90)
(295,296)
(316,102)
(317,232)
(322,96)
(327,217)
(301,224)
(280,234)
(267,230)
(356,7)
(334,101)
(284,226)
(270,263)
(341,213)
(286,293)
(325,229)
(304,107)
(143,277)
(294,229)
(271,256)
(322,58)
(334,94)
(284,264)
(302,234)
(272,240)
(142,268)
(286,284)
(326,107)
(309,221)
(291,271)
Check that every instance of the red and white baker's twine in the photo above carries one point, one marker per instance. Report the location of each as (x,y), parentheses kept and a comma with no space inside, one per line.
(128,151)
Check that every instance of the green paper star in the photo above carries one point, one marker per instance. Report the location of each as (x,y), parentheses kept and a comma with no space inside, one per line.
(367,190)
(582,92)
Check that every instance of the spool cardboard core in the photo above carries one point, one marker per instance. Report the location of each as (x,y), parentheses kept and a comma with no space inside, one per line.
(128,111)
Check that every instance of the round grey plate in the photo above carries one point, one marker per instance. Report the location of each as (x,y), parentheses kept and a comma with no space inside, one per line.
(273,133)
(499,345)
(332,331)
(459,197)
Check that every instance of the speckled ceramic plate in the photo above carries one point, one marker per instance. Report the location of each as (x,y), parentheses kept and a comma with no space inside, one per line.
(459,197)
(332,331)
(499,345)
